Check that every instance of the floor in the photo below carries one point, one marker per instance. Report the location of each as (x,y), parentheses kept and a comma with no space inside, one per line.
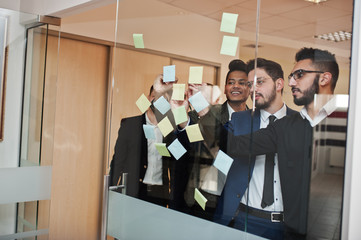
(325,206)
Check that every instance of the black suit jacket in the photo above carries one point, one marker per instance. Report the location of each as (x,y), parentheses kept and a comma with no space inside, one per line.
(291,138)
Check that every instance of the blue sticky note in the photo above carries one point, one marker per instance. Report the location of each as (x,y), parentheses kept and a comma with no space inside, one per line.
(176,149)
(198,102)
(223,162)
(149,131)
(162,105)
(169,73)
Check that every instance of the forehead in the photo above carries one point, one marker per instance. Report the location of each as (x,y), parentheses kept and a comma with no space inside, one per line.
(305,64)
(236,75)
(259,73)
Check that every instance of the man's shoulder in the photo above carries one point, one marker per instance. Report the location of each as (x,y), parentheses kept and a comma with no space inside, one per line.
(133,120)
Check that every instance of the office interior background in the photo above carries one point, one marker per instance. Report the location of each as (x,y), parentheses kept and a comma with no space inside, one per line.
(71,73)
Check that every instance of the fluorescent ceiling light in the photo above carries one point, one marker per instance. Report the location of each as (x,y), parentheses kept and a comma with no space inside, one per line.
(338,36)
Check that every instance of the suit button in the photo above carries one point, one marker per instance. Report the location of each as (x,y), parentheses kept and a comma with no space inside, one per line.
(140,180)
(145,166)
(238,196)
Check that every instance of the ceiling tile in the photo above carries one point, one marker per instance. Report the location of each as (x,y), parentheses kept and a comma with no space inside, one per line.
(277,23)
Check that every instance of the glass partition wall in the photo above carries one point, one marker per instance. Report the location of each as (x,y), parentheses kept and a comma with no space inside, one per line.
(25,213)
(194,169)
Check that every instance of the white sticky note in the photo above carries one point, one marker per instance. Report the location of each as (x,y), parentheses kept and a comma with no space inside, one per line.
(143,103)
(178,92)
(200,199)
(169,73)
(162,105)
(195,75)
(138,40)
(229,45)
(180,115)
(176,149)
(194,133)
(165,126)
(198,101)
(223,162)
(229,22)
(149,131)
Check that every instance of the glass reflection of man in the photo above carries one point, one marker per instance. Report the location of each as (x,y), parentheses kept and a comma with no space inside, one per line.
(312,81)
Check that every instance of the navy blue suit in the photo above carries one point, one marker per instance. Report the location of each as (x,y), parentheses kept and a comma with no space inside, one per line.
(240,171)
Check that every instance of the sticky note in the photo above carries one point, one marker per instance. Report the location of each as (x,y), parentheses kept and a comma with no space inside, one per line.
(198,101)
(169,73)
(149,131)
(165,126)
(201,200)
(180,115)
(138,40)
(176,149)
(162,105)
(223,162)
(194,133)
(229,45)
(178,91)
(143,103)
(162,149)
(228,23)
(195,75)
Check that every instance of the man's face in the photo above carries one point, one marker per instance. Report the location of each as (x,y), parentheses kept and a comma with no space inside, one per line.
(305,86)
(265,90)
(236,89)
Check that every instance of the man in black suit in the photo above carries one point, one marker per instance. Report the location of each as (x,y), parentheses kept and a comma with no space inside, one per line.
(246,180)
(148,177)
(312,81)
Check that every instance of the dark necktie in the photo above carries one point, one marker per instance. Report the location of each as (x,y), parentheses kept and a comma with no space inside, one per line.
(267,198)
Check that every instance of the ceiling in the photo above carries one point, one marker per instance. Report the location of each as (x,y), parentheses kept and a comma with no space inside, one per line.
(287,19)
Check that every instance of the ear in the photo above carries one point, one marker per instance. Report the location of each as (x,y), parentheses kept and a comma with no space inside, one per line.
(325,79)
(280,84)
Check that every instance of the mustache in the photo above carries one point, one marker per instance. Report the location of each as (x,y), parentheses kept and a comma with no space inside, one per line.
(297,89)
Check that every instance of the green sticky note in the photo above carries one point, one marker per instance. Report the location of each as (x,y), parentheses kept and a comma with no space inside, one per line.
(201,200)
(143,103)
(165,126)
(138,40)
(162,149)
(195,75)
(180,115)
(194,133)
(229,22)
(178,91)
(229,45)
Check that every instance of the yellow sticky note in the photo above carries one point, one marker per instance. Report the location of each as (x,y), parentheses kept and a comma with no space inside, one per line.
(228,23)
(194,133)
(229,45)
(165,126)
(180,115)
(143,103)
(162,149)
(195,75)
(178,92)
(201,200)
(138,40)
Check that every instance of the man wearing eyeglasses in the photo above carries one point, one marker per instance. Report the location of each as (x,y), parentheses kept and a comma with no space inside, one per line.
(312,81)
(237,194)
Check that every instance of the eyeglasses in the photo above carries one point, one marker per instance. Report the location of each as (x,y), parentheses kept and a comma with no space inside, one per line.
(259,82)
(300,72)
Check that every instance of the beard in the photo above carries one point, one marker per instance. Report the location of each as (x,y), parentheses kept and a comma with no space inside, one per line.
(308,94)
(267,102)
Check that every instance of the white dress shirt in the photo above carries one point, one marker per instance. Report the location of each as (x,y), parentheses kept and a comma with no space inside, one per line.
(154,172)
(257,180)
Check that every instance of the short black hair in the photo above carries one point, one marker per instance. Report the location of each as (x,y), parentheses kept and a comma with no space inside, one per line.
(273,69)
(322,60)
(236,65)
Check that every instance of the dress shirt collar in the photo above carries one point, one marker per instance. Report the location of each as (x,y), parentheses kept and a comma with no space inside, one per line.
(230,111)
(326,110)
(279,114)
